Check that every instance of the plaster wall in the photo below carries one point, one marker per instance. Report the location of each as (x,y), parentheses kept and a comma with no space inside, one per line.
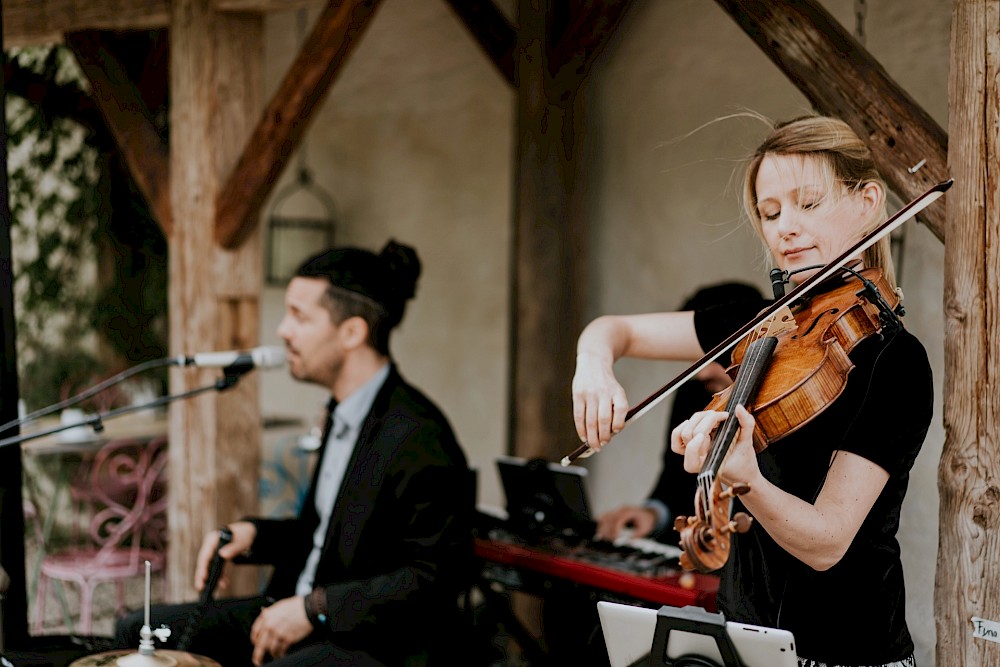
(414,142)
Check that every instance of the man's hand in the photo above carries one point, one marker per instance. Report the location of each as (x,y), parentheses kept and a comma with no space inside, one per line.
(641,520)
(244,534)
(279,626)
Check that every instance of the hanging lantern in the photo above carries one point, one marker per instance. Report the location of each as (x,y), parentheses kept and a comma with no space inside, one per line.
(291,239)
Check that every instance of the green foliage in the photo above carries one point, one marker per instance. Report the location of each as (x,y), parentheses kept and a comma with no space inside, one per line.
(61,206)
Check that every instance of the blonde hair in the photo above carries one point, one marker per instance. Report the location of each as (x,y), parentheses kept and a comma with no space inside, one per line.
(844,157)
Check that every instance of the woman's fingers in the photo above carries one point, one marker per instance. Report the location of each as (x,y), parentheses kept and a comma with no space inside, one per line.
(696,452)
(599,417)
(700,423)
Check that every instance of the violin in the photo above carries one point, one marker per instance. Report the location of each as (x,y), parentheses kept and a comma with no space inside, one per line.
(786,372)
(830,270)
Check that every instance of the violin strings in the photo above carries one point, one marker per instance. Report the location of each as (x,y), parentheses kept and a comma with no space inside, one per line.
(753,357)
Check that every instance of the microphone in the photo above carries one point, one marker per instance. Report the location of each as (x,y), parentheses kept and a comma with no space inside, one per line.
(778,280)
(259,357)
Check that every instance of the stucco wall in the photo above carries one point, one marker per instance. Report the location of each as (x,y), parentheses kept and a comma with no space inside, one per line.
(415,142)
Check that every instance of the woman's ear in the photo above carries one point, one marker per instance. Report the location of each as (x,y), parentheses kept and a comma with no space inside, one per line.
(873,195)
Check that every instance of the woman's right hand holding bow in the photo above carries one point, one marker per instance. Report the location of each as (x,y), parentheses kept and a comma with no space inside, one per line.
(599,401)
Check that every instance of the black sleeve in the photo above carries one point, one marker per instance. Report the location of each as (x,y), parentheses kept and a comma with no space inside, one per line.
(716,323)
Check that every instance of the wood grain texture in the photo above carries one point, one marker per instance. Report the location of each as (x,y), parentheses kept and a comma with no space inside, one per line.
(969,540)
(28,22)
(214,439)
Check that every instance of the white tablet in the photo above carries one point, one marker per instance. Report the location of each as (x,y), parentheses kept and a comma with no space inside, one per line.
(628,634)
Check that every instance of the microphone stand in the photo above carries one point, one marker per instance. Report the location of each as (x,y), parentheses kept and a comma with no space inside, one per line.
(92,391)
(4,585)
(229,379)
(231,375)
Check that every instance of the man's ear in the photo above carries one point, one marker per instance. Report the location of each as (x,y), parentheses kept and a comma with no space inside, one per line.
(353,332)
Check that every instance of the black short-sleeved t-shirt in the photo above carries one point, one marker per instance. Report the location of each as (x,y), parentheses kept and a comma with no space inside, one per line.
(852,613)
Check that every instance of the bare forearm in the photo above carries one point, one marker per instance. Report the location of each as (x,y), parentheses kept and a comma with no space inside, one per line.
(604,339)
(648,336)
(799,527)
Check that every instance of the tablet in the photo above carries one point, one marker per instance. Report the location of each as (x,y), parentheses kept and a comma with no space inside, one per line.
(545,497)
(629,630)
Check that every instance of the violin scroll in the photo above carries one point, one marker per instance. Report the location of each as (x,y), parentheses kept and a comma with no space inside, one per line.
(705,537)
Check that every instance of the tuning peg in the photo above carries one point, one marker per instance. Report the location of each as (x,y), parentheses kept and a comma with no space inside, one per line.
(740,523)
(737,489)
(681,522)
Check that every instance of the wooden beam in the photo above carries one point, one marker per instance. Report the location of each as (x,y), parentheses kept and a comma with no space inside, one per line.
(215,96)
(33,22)
(287,116)
(129,121)
(153,81)
(840,78)
(28,22)
(550,258)
(264,6)
(491,29)
(585,38)
(969,519)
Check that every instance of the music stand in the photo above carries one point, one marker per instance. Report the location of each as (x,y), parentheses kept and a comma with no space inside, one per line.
(545,499)
(698,621)
(689,637)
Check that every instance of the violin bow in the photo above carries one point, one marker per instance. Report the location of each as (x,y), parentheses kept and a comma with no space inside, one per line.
(904,214)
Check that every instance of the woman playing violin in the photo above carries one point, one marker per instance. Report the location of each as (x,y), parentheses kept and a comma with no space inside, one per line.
(820,558)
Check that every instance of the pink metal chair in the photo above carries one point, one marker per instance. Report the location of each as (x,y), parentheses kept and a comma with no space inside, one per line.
(127,486)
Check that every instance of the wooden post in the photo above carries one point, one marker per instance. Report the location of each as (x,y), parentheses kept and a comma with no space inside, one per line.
(969,543)
(557,45)
(547,293)
(214,439)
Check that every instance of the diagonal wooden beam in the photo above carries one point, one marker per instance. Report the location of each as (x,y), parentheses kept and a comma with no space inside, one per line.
(840,78)
(153,81)
(496,36)
(128,120)
(286,117)
(591,26)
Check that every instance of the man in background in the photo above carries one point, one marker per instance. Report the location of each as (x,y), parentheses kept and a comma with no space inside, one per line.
(369,572)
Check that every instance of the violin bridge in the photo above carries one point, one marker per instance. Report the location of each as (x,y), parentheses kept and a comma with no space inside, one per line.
(779,323)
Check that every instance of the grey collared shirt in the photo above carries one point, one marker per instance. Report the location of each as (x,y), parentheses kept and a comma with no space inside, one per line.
(348,418)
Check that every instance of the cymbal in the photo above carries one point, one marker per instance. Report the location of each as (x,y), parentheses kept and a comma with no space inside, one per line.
(110,659)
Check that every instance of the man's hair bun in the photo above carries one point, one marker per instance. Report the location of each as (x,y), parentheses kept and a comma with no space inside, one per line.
(404,265)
